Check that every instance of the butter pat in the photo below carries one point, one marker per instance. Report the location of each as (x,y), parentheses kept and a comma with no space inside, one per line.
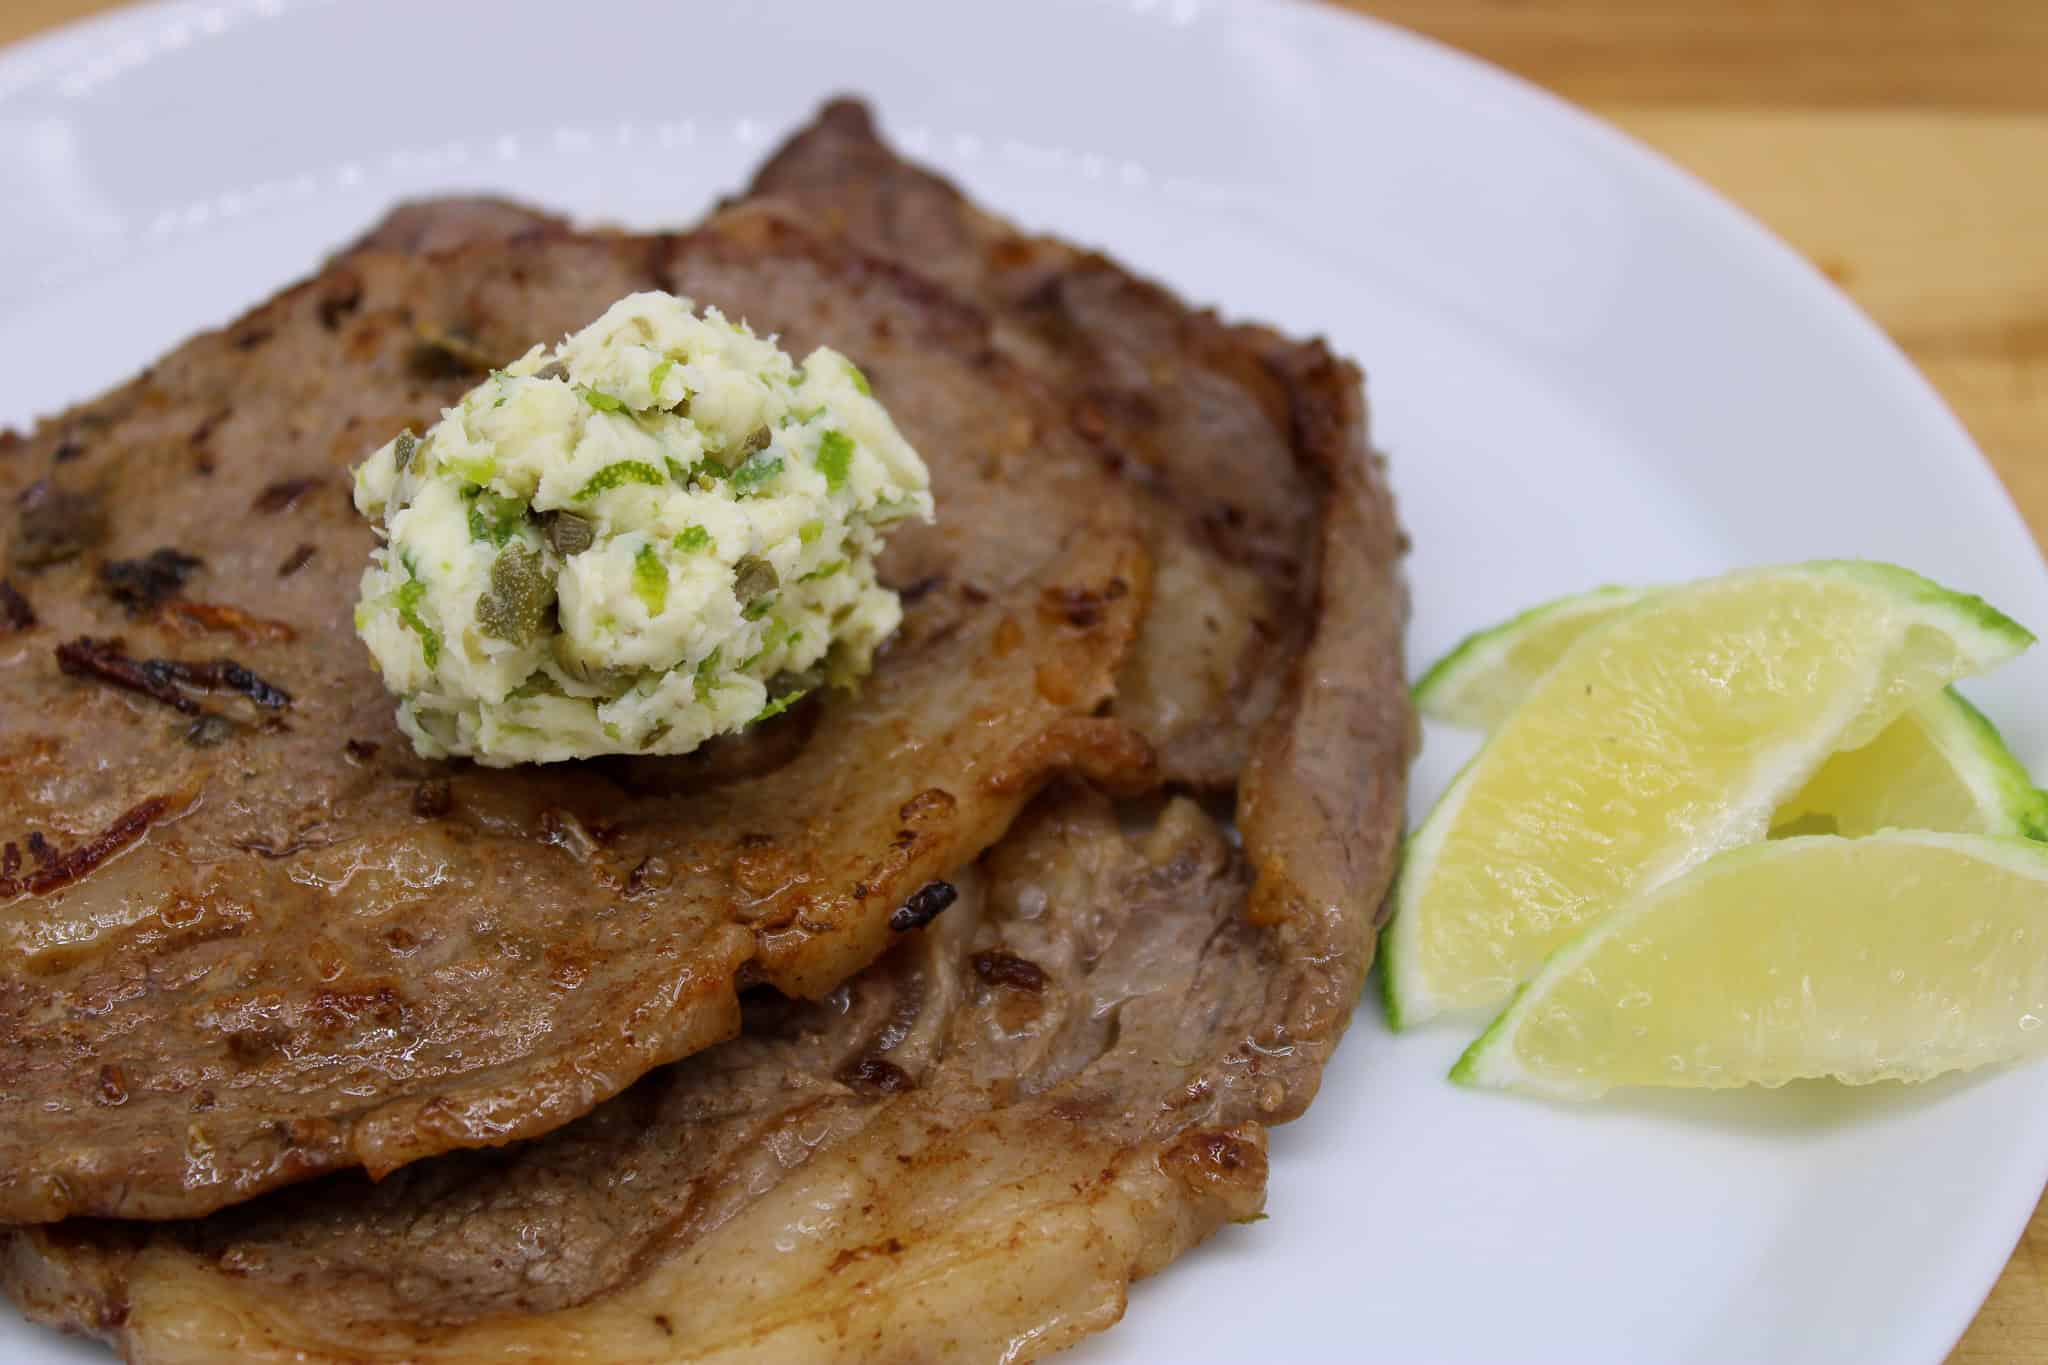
(662,530)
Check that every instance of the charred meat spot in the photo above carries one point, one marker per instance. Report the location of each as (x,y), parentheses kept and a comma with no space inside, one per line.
(161,679)
(284,495)
(360,750)
(298,559)
(1220,1162)
(875,1076)
(973,594)
(924,906)
(142,585)
(919,589)
(999,968)
(67,450)
(1083,607)
(651,873)
(15,612)
(113,1087)
(54,523)
(250,1047)
(55,870)
(933,803)
(433,798)
(197,618)
(667,1328)
(340,302)
(10,859)
(203,433)
(251,339)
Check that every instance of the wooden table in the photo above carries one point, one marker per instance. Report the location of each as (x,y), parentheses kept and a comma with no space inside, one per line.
(1902,145)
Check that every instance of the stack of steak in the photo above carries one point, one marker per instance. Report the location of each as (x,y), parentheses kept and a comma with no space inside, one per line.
(917,1023)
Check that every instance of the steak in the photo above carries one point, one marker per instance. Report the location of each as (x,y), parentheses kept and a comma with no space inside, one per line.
(967,1152)
(253,938)
(1061,1075)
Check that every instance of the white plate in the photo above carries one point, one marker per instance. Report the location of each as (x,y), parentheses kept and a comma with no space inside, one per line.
(1586,367)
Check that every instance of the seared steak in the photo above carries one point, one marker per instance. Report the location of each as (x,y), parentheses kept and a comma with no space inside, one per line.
(965,1153)
(1058,1079)
(252,938)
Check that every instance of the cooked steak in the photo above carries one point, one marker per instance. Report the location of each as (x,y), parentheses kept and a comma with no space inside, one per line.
(253,938)
(1057,1081)
(965,1153)
(1203,416)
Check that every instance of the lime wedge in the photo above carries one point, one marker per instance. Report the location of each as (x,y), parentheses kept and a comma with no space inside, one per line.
(1941,766)
(1667,736)
(1896,957)
(1484,678)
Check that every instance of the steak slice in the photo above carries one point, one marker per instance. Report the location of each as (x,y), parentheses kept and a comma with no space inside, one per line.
(253,938)
(1271,657)
(966,1152)
(1203,416)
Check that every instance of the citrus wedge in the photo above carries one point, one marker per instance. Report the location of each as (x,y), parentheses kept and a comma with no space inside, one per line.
(1487,674)
(1941,766)
(1668,735)
(1895,957)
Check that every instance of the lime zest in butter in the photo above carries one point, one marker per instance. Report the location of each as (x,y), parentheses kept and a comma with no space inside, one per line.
(617,476)
(835,457)
(650,579)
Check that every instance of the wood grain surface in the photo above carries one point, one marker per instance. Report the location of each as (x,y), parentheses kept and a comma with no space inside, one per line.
(1901,144)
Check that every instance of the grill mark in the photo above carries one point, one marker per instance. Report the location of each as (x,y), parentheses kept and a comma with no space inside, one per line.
(15,612)
(159,679)
(284,495)
(56,870)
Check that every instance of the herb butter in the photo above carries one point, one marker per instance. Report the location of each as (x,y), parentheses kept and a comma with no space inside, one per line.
(662,530)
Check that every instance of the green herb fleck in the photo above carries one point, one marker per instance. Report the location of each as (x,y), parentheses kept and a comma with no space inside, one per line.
(615,475)
(758,608)
(823,571)
(707,679)
(658,374)
(749,478)
(810,531)
(602,401)
(692,539)
(494,518)
(650,580)
(780,704)
(835,457)
(409,594)
(611,732)
(860,381)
